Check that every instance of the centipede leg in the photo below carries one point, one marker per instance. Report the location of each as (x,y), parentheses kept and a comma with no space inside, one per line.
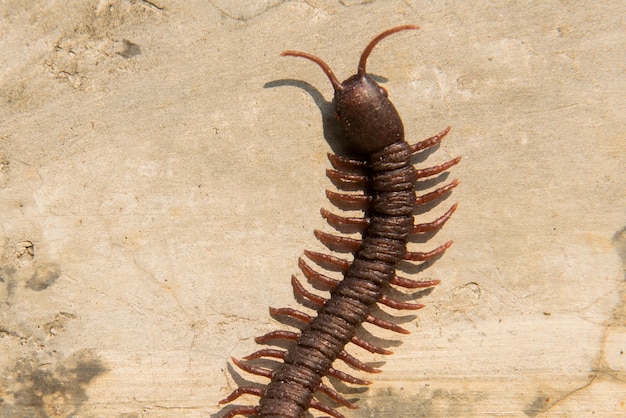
(244,390)
(242,410)
(326,409)
(429,142)
(434,225)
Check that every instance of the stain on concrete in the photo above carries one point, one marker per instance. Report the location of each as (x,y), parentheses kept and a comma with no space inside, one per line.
(129,49)
(48,385)
(538,406)
(428,402)
(7,281)
(619,240)
(44,276)
(4,169)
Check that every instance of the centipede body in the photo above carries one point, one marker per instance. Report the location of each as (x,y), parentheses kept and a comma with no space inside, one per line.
(381,167)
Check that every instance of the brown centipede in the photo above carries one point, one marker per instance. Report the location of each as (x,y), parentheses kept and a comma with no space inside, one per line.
(382,169)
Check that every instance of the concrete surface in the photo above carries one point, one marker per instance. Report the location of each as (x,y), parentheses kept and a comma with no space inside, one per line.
(162,169)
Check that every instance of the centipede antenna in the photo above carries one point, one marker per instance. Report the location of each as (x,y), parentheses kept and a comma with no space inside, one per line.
(368,49)
(329,73)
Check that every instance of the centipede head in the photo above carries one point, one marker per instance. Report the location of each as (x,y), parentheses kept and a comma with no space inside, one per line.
(368,117)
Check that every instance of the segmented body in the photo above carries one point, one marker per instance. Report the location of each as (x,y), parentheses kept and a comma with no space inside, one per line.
(388,180)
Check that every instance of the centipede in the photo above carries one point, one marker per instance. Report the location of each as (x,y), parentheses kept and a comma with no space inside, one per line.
(377,177)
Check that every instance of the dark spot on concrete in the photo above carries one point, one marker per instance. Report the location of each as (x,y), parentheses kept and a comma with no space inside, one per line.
(43,388)
(130,49)
(4,169)
(44,276)
(421,402)
(539,405)
(7,277)
(619,240)
(6,274)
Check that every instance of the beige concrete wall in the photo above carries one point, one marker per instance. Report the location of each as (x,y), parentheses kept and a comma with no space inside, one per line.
(162,168)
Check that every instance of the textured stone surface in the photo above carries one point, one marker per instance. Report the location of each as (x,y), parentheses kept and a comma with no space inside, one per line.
(162,168)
